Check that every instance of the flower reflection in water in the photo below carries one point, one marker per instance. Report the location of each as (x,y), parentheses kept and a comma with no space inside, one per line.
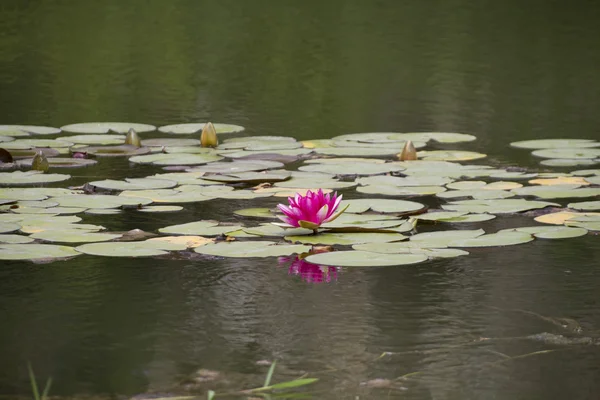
(308,272)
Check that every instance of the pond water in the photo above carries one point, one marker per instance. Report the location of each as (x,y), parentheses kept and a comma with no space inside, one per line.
(503,71)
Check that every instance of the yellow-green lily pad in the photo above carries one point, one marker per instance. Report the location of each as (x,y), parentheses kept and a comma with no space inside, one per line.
(73,236)
(248,249)
(8,227)
(175,159)
(103,140)
(585,205)
(121,249)
(26,130)
(409,248)
(500,206)
(20,178)
(15,239)
(566,152)
(493,240)
(356,258)
(550,232)
(133,184)
(557,191)
(259,212)
(160,209)
(35,251)
(201,228)
(106,127)
(381,205)
(101,201)
(346,238)
(197,128)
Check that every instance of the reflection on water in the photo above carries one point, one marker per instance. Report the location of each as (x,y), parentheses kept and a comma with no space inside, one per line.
(311,273)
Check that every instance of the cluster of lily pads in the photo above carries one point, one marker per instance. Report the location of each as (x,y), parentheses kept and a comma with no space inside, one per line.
(38,222)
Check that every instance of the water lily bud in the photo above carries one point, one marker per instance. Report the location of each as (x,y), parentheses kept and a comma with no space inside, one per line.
(409,152)
(208,138)
(40,162)
(133,138)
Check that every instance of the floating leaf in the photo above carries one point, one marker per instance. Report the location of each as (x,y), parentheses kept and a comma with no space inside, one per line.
(480,185)
(7,227)
(382,205)
(550,232)
(105,127)
(565,152)
(166,196)
(409,248)
(101,201)
(288,192)
(160,209)
(481,194)
(30,143)
(441,239)
(175,159)
(133,184)
(404,181)
(201,228)
(363,151)
(222,192)
(62,162)
(33,194)
(35,251)
(493,240)
(500,206)
(14,239)
(170,142)
(94,139)
(73,236)
(276,230)
(586,172)
(569,162)
(557,191)
(197,127)
(19,178)
(103,211)
(250,177)
(454,217)
(255,213)
(115,151)
(49,210)
(449,155)
(121,249)
(352,168)
(563,180)
(346,238)
(555,143)
(14,130)
(585,205)
(354,258)
(177,243)
(322,183)
(251,249)
(440,137)
(237,166)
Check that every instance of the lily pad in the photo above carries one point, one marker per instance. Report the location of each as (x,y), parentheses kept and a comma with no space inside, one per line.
(323,183)
(103,140)
(121,249)
(197,128)
(404,181)
(178,243)
(160,209)
(555,143)
(249,249)
(381,205)
(401,191)
(449,155)
(255,213)
(272,155)
(133,184)
(363,151)
(585,205)
(103,211)
(222,192)
(481,194)
(569,162)
(557,191)
(166,196)
(562,180)
(170,142)
(201,228)
(565,152)
(13,130)
(440,239)
(35,251)
(101,201)
(62,162)
(250,177)
(73,236)
(454,217)
(175,159)
(49,210)
(355,258)
(493,240)
(550,232)
(15,239)
(346,238)
(19,178)
(124,150)
(30,143)
(272,230)
(440,137)
(352,168)
(500,206)
(237,166)
(106,127)
(8,227)
(409,248)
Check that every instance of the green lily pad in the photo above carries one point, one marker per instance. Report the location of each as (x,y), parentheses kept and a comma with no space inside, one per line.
(500,206)
(222,192)
(103,140)
(440,239)
(197,128)
(15,239)
(61,162)
(557,191)
(513,175)
(103,211)
(355,258)
(250,177)
(569,162)
(440,137)
(133,184)
(237,166)
(13,130)
(409,248)
(19,154)
(255,213)
(493,240)
(555,143)
(481,194)
(175,159)
(201,228)
(19,178)
(454,217)
(106,127)
(121,249)
(565,152)
(480,185)
(404,181)
(30,143)
(346,238)
(249,249)
(35,251)
(160,209)
(401,191)
(166,196)
(363,151)
(8,227)
(585,205)
(591,224)
(381,205)
(359,168)
(49,210)
(101,201)
(586,172)
(323,183)
(73,236)
(170,142)
(358,222)
(550,232)
(263,154)
(449,155)
(124,150)
(272,230)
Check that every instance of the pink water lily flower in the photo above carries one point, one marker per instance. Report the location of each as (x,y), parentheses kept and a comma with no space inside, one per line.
(312,210)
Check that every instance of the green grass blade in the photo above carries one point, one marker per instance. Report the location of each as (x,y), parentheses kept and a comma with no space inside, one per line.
(270,374)
(285,385)
(34,386)
(47,389)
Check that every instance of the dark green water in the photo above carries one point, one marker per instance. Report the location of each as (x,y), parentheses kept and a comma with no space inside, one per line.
(502,70)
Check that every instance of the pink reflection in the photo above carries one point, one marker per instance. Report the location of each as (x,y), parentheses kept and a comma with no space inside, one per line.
(308,272)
